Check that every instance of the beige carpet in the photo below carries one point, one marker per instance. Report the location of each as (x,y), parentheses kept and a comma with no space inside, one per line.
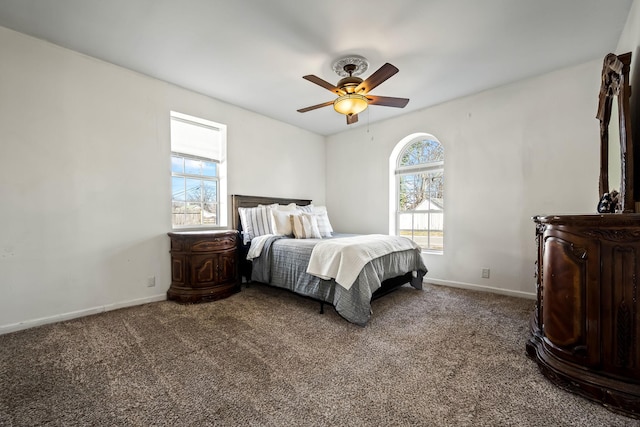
(265,357)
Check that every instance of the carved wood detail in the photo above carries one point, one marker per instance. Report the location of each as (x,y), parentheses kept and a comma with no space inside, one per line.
(204,266)
(623,334)
(614,234)
(587,296)
(615,90)
(213,245)
(563,318)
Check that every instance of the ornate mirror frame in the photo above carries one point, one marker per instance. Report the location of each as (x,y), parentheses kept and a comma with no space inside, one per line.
(615,88)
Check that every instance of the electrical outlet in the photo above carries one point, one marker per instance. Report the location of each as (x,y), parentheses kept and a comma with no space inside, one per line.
(485,273)
(151,281)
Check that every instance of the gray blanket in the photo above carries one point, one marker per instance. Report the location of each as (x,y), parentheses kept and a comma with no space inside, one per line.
(283,263)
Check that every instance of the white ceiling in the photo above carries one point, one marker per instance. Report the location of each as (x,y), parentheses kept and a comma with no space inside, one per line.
(253,53)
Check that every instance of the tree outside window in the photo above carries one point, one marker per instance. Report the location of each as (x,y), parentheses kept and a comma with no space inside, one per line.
(420,186)
(194,188)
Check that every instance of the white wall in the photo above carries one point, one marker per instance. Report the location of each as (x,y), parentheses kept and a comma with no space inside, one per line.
(630,38)
(527,148)
(85,178)
(630,42)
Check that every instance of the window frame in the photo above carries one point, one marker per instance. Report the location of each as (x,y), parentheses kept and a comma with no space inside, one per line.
(220,178)
(398,171)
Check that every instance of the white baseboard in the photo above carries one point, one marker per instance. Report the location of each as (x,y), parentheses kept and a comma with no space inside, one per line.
(5,329)
(14,327)
(473,286)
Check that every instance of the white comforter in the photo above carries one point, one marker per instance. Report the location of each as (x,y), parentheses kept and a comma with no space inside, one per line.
(342,259)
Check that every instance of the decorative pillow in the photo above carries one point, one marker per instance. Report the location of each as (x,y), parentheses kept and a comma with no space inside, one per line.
(289,207)
(323,221)
(281,223)
(305,226)
(271,206)
(305,208)
(255,222)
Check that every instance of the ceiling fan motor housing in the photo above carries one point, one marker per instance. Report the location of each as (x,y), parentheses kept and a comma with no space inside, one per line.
(349,84)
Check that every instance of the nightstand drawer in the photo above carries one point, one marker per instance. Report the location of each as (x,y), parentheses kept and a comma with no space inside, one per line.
(218,244)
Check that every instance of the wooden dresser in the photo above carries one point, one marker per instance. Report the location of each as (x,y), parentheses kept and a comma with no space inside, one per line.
(585,330)
(204,265)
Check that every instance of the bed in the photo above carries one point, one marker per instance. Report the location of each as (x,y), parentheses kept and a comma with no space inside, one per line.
(283,262)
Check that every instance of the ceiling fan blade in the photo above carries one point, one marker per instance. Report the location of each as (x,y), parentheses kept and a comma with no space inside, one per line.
(325,84)
(353,118)
(387,101)
(382,74)
(315,107)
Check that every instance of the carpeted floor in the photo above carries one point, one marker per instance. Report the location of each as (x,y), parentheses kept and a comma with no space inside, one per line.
(265,357)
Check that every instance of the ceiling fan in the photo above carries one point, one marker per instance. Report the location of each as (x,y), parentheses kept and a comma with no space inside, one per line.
(352,91)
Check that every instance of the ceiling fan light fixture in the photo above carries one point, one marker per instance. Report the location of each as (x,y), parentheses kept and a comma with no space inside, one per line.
(351,103)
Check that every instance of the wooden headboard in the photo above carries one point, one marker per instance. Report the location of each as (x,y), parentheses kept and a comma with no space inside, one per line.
(238,201)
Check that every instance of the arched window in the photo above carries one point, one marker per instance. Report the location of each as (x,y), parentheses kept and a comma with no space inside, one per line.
(419,191)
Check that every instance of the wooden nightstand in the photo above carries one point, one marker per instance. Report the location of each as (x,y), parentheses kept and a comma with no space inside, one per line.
(204,266)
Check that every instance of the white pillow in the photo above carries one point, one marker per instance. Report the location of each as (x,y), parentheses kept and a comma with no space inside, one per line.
(305,226)
(255,222)
(306,208)
(281,223)
(289,207)
(323,221)
(271,206)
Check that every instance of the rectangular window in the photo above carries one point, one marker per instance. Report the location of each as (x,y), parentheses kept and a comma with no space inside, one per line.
(421,213)
(198,172)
